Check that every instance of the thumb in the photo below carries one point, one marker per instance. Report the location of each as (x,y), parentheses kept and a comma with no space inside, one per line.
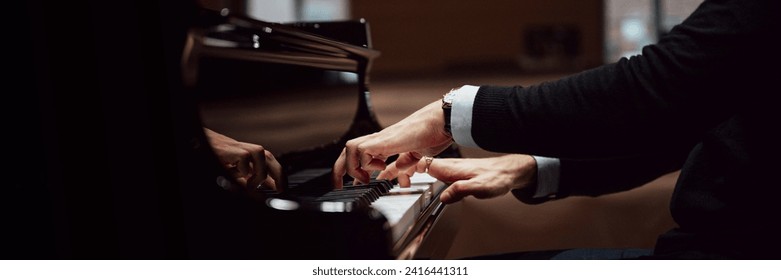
(456,191)
(478,187)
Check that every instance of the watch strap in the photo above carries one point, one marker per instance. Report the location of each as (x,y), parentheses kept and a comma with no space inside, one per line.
(447,111)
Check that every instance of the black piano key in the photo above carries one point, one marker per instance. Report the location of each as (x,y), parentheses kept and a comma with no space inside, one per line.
(361,193)
(384,185)
(367,190)
(306,186)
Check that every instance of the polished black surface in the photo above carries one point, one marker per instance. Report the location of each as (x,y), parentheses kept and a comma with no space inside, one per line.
(109,159)
(248,75)
(109,156)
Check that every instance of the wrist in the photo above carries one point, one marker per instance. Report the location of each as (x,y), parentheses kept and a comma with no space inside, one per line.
(544,187)
(524,169)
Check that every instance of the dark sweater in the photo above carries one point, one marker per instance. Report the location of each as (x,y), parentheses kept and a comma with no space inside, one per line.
(703,95)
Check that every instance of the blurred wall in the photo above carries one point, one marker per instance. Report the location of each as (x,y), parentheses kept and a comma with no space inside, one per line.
(439,35)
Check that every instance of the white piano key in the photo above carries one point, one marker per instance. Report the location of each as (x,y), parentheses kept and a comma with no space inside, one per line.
(400,210)
(422,178)
(402,206)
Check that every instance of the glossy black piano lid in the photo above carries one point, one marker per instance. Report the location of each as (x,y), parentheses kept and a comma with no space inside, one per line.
(303,112)
(286,87)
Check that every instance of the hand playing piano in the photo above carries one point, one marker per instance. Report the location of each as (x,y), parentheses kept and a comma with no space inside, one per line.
(478,177)
(249,164)
(420,134)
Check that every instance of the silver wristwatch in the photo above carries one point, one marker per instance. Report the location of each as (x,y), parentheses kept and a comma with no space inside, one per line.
(447,105)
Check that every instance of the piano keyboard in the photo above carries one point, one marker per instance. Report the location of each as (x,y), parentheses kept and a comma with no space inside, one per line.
(403,206)
(406,209)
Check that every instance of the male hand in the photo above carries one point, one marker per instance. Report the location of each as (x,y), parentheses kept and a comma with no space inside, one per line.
(478,177)
(422,133)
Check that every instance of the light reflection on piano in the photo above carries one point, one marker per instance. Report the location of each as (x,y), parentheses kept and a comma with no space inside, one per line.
(250,76)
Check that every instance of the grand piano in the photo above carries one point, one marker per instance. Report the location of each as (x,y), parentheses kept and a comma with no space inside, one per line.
(106,156)
(109,159)
(302,90)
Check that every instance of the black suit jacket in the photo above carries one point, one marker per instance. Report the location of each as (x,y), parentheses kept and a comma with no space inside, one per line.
(707,88)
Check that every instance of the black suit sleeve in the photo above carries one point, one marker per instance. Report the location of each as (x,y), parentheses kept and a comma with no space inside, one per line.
(598,177)
(676,91)
(595,177)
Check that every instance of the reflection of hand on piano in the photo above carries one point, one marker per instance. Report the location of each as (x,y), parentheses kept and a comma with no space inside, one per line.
(481,177)
(249,164)
(422,133)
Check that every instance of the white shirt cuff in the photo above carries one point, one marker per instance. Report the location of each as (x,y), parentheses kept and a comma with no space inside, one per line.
(548,171)
(461,116)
